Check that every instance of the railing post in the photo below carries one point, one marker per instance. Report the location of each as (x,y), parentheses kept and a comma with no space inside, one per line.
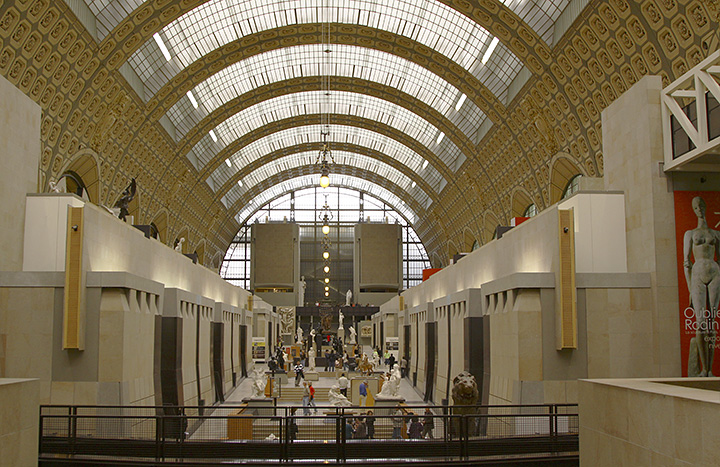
(159,436)
(466,433)
(40,433)
(73,429)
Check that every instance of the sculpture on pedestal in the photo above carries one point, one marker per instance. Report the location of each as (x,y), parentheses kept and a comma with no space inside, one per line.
(391,388)
(258,384)
(124,202)
(180,242)
(311,358)
(464,393)
(313,333)
(353,334)
(703,282)
(348,297)
(341,316)
(301,291)
(299,336)
(336,398)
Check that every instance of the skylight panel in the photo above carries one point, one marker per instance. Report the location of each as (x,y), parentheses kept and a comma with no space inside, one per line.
(192,99)
(162,46)
(338,134)
(218,22)
(240,78)
(287,106)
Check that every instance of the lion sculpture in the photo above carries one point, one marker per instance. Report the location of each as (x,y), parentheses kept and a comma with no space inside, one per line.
(465,390)
(465,396)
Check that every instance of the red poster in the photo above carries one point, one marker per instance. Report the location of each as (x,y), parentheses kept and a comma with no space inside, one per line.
(701,237)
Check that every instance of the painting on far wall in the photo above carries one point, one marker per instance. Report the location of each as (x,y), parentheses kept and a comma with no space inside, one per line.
(697,234)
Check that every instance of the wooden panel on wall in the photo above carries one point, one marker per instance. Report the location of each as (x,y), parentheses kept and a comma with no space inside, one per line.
(74,300)
(379,255)
(275,249)
(566,319)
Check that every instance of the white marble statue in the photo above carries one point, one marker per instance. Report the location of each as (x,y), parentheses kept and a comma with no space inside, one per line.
(337,399)
(311,359)
(299,336)
(353,335)
(258,384)
(301,291)
(178,247)
(348,297)
(391,387)
(376,359)
(56,187)
(341,317)
(313,333)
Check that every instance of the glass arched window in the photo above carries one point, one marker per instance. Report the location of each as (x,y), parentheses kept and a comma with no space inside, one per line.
(475,246)
(572,186)
(530,211)
(304,206)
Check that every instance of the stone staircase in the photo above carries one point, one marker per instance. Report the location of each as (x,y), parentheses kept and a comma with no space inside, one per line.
(293,395)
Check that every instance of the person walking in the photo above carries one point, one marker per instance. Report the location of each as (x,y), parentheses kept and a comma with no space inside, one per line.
(403,366)
(327,360)
(360,429)
(306,398)
(370,423)
(293,428)
(311,389)
(415,429)
(343,384)
(428,424)
(397,422)
(363,392)
(299,373)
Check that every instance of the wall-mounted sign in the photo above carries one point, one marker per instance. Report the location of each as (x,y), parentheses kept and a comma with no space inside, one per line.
(258,348)
(697,236)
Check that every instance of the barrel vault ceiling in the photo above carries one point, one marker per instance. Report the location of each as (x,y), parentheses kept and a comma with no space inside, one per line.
(213,105)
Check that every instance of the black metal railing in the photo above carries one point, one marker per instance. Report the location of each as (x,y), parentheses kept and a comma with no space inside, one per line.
(279,434)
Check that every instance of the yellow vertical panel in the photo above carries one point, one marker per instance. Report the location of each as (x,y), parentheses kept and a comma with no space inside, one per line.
(566,320)
(74,293)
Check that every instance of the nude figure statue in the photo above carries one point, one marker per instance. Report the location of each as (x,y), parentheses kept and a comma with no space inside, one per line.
(703,282)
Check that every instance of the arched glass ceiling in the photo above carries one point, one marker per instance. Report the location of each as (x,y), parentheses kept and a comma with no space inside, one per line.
(354,160)
(540,17)
(338,134)
(431,23)
(310,60)
(343,103)
(346,181)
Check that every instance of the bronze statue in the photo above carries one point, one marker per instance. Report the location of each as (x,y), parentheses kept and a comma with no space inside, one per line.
(125,199)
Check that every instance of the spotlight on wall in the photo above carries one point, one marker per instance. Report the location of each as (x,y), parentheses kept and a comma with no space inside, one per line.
(327,288)
(327,280)
(327,294)
(326,254)
(326,269)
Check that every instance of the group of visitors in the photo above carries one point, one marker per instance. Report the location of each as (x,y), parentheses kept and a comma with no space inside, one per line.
(362,427)
(415,429)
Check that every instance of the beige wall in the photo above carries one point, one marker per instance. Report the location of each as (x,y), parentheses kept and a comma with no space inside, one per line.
(632,150)
(19,160)
(19,416)
(647,422)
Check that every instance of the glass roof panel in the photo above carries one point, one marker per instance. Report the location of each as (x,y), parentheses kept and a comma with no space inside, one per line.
(431,23)
(310,60)
(110,13)
(344,103)
(310,134)
(342,158)
(540,16)
(341,181)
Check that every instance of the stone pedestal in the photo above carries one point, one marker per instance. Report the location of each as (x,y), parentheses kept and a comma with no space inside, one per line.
(311,376)
(387,405)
